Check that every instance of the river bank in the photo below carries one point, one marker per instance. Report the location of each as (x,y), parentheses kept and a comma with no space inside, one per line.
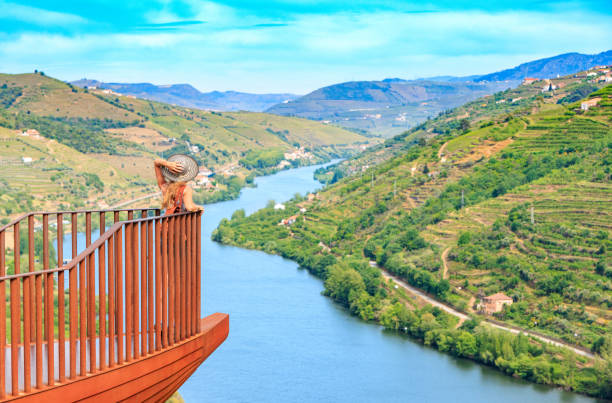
(288,344)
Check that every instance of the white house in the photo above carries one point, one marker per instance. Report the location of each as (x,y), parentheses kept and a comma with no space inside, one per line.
(26,160)
(279,206)
(587,104)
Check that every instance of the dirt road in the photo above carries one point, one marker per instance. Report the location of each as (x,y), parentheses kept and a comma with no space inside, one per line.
(462,316)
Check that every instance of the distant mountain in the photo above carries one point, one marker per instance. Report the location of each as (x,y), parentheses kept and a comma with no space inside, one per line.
(188,96)
(385,107)
(568,63)
(393,105)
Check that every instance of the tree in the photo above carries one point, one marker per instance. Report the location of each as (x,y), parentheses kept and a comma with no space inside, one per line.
(466,345)
(343,283)
(603,369)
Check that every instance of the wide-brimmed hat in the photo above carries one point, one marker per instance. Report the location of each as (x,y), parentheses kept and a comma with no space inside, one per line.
(190,169)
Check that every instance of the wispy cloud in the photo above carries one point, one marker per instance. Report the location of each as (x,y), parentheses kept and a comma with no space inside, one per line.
(172,24)
(38,16)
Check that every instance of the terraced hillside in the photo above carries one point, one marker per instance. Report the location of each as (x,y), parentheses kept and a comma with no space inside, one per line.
(523,100)
(452,215)
(83,138)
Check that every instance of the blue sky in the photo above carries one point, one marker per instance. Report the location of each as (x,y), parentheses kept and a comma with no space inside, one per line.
(290,46)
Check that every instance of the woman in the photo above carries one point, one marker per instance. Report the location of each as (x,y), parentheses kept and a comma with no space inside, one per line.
(177,196)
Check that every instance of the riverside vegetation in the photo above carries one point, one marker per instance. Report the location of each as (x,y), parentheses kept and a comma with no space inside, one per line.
(95,148)
(448,208)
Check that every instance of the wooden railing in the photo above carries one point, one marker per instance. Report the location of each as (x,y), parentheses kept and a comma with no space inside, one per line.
(132,292)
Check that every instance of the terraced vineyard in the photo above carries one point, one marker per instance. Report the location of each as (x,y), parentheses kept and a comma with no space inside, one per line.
(92,137)
(452,215)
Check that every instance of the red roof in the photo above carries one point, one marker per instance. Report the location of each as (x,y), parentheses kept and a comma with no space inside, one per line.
(500,296)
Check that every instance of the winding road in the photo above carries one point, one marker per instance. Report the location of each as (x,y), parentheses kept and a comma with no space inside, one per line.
(462,316)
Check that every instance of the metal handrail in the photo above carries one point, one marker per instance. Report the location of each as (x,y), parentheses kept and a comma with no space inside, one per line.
(34,213)
(164,259)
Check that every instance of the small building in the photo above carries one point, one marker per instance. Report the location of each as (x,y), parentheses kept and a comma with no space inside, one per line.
(279,206)
(201,179)
(283,164)
(288,221)
(590,103)
(494,303)
(529,80)
(26,160)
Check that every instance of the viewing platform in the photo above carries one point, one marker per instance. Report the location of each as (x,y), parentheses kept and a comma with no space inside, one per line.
(122,315)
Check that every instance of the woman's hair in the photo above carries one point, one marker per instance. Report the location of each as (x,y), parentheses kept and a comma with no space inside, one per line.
(169,197)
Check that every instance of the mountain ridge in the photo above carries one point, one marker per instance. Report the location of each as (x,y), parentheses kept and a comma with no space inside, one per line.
(563,64)
(393,105)
(186,95)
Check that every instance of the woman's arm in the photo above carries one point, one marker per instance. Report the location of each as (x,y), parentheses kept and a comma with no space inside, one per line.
(188,200)
(174,167)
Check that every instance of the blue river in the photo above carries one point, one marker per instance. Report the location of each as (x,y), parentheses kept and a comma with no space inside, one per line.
(288,343)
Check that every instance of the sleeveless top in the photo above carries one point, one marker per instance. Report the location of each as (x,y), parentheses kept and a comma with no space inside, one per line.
(179,206)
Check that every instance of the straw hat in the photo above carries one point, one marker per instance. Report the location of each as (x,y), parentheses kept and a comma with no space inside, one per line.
(190,169)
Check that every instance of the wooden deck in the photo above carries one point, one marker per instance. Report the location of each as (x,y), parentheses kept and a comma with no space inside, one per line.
(152,378)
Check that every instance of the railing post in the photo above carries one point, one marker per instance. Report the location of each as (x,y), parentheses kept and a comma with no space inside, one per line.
(16,249)
(91,296)
(171,282)
(129,302)
(49,311)
(73,233)
(158,281)
(150,288)
(15,336)
(102,295)
(144,251)
(111,301)
(82,319)
(188,280)
(119,293)
(61,318)
(39,330)
(72,319)
(183,278)
(198,271)
(177,279)
(164,279)
(29,320)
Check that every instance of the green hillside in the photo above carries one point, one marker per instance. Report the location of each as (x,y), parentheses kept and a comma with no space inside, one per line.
(447,208)
(96,147)
(520,101)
